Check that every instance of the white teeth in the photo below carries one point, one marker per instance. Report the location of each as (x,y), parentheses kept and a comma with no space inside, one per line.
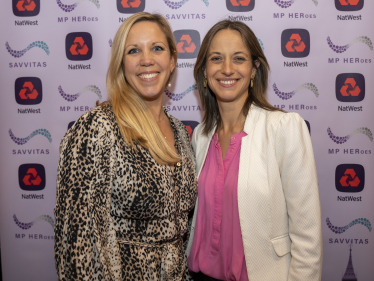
(148,76)
(227,82)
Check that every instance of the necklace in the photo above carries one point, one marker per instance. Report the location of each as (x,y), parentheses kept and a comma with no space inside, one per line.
(162,118)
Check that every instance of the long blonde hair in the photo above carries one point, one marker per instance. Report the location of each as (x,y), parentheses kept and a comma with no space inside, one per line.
(135,121)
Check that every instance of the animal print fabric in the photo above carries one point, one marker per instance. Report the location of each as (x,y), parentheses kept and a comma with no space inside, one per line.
(119,214)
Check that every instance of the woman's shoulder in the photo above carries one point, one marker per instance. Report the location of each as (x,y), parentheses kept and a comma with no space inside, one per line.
(89,125)
(277,118)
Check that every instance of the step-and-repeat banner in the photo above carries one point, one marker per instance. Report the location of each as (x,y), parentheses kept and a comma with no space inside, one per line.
(53,61)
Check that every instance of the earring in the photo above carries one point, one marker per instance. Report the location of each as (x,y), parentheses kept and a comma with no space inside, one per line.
(252,78)
(205,81)
(169,85)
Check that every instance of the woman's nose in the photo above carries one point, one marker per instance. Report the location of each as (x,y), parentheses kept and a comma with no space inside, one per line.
(227,68)
(147,59)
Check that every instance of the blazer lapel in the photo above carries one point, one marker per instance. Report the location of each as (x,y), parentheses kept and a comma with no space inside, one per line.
(202,150)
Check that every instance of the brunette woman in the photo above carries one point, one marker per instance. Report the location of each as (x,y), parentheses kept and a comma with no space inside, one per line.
(258,214)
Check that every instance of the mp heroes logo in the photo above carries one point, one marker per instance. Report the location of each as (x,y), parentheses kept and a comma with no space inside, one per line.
(190,125)
(350,178)
(286,4)
(71,98)
(240,5)
(26,8)
(340,140)
(341,49)
(188,43)
(350,87)
(31,177)
(349,5)
(69,8)
(78,46)
(288,95)
(130,6)
(28,90)
(295,43)
(25,226)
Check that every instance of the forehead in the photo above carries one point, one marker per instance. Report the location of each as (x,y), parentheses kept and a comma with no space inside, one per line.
(228,40)
(145,31)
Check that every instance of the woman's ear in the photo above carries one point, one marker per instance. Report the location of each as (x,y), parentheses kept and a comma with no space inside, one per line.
(172,63)
(257,63)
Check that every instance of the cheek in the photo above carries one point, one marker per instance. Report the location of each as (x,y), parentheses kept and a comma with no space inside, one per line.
(129,66)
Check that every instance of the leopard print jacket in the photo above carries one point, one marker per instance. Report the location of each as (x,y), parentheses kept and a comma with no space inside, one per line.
(119,214)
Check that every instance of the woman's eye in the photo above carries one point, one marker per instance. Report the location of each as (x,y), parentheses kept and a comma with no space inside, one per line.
(215,58)
(158,48)
(133,51)
(240,59)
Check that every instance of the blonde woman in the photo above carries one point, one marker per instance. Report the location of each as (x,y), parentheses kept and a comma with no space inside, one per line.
(258,214)
(126,176)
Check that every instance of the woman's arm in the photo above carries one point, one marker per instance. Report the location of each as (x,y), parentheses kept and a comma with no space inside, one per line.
(83,232)
(300,186)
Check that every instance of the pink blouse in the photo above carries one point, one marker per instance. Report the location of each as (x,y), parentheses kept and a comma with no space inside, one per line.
(217,248)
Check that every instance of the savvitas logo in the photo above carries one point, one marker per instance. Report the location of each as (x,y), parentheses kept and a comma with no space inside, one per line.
(91,88)
(18,54)
(349,5)
(339,230)
(28,90)
(188,43)
(130,6)
(350,178)
(69,8)
(341,49)
(295,43)
(25,226)
(177,97)
(31,177)
(190,125)
(240,5)
(339,140)
(350,87)
(178,4)
(22,141)
(78,46)
(286,4)
(288,95)
(26,8)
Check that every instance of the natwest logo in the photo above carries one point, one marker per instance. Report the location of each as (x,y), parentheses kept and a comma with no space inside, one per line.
(130,6)
(349,5)
(31,177)
(295,43)
(350,87)
(190,125)
(188,43)
(240,5)
(78,46)
(350,178)
(28,90)
(26,8)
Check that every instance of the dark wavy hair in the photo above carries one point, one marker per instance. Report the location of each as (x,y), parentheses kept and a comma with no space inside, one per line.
(256,95)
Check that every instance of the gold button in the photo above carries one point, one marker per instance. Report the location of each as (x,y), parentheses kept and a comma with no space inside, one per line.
(178,164)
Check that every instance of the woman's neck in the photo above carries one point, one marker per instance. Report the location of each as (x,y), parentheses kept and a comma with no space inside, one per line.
(232,117)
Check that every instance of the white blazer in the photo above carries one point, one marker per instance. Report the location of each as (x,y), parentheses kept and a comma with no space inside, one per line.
(279,207)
